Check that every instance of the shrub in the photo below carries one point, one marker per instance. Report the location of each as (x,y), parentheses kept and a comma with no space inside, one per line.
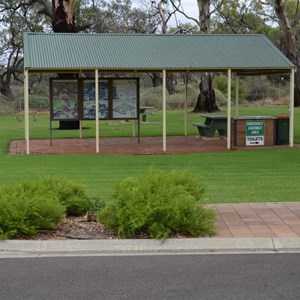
(70,194)
(35,205)
(23,211)
(221,82)
(160,204)
(153,97)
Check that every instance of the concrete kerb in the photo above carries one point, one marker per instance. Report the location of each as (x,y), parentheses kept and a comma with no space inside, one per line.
(48,248)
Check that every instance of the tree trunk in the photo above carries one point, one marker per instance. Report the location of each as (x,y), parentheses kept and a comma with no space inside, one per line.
(5,89)
(170,84)
(290,42)
(155,79)
(63,16)
(206,101)
(64,21)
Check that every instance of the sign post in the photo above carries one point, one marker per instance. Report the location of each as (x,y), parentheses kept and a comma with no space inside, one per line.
(255,132)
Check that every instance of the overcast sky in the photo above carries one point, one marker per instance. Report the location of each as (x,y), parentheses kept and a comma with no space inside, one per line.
(189,7)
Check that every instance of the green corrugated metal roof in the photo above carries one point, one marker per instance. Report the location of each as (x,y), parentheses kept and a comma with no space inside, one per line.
(67,51)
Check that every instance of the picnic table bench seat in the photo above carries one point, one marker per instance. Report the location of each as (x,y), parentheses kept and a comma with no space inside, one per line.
(212,124)
(145,114)
(205,130)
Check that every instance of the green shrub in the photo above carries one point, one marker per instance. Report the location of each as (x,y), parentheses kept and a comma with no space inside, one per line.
(221,83)
(24,211)
(160,204)
(70,194)
(153,97)
(35,205)
(221,99)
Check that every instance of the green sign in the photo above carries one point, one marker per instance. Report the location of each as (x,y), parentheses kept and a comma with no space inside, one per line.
(255,127)
(255,132)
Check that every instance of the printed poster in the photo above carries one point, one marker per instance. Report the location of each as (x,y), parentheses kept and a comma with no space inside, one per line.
(124,99)
(64,100)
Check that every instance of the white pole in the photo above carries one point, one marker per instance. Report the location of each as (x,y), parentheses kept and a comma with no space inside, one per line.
(80,129)
(185,106)
(26,109)
(229,110)
(237,88)
(97,110)
(133,128)
(164,107)
(292,84)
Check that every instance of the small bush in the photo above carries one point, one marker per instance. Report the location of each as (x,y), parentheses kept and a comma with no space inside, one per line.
(70,194)
(153,97)
(160,204)
(35,205)
(24,211)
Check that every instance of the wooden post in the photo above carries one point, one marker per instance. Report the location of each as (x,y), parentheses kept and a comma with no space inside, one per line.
(292,86)
(237,88)
(97,110)
(164,107)
(185,105)
(229,109)
(26,109)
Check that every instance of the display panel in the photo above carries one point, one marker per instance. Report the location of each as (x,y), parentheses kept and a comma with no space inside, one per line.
(124,98)
(64,100)
(89,101)
(74,99)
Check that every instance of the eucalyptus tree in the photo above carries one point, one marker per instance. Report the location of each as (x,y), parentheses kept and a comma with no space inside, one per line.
(117,16)
(14,20)
(239,17)
(61,16)
(206,100)
(282,8)
(278,19)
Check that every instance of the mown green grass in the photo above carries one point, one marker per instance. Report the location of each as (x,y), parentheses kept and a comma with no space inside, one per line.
(230,176)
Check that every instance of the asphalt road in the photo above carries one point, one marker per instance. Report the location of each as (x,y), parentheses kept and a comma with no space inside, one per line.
(245,276)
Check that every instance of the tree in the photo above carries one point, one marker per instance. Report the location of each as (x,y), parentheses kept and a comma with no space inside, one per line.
(15,18)
(206,101)
(255,16)
(290,49)
(160,6)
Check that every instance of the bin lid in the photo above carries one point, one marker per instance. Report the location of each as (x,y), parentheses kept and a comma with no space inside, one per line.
(283,117)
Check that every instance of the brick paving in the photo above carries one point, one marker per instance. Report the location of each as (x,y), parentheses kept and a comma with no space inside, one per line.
(126,145)
(258,219)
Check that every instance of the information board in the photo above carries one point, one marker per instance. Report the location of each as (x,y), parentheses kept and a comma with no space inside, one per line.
(89,101)
(64,100)
(124,99)
(75,99)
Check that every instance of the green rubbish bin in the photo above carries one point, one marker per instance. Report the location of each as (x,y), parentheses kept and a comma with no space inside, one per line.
(282,130)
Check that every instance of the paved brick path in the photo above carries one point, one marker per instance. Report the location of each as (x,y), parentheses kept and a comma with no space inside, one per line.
(128,145)
(258,220)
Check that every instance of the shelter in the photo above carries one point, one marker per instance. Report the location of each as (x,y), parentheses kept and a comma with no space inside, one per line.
(131,53)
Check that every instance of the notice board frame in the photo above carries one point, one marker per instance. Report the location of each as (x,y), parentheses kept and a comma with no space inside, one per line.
(119,99)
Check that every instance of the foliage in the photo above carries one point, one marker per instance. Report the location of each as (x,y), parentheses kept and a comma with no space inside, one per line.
(33,205)
(26,209)
(260,88)
(221,84)
(152,97)
(70,194)
(159,203)
(93,206)
(117,16)
(221,98)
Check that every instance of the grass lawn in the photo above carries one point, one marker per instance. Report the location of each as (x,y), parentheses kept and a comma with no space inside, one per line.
(230,176)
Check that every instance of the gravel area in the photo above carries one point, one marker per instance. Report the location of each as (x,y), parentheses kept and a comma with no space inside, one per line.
(74,228)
